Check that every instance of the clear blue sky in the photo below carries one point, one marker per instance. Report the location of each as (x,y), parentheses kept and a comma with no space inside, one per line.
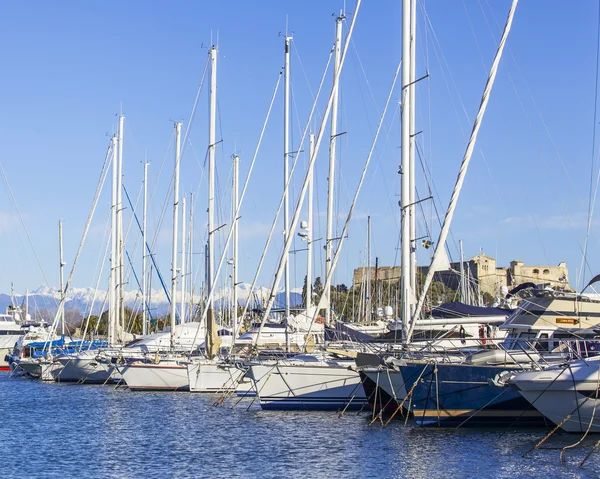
(70,67)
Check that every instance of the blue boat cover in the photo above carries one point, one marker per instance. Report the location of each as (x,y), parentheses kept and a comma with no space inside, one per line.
(341,332)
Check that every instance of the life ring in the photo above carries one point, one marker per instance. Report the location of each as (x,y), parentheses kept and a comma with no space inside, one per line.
(320,320)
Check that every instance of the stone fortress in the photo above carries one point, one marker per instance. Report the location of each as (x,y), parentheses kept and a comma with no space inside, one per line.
(484,271)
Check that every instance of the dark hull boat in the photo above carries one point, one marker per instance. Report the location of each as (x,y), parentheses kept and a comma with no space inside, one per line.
(450,395)
(378,391)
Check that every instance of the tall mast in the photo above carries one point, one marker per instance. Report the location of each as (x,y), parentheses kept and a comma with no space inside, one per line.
(463,282)
(286,205)
(62,265)
(405,245)
(182,274)
(330,182)
(211,334)
(144,294)
(309,231)
(368,300)
(413,185)
(175,228)
(234,279)
(120,255)
(113,311)
(190,256)
(304,188)
(439,247)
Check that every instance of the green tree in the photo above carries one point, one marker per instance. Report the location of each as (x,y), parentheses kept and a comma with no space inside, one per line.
(304,288)
(488,299)
(317,289)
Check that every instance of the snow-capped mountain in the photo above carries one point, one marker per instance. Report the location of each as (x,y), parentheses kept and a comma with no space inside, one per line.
(83,299)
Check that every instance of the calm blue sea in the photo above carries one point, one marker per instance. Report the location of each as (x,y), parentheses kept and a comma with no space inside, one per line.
(69,431)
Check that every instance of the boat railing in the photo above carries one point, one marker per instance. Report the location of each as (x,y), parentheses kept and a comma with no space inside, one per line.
(538,353)
(543,352)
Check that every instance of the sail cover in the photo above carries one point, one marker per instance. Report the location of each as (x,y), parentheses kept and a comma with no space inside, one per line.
(457,310)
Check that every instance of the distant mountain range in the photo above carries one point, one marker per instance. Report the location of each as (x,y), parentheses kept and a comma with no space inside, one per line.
(83,299)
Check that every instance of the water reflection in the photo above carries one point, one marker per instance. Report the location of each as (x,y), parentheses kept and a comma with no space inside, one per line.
(61,430)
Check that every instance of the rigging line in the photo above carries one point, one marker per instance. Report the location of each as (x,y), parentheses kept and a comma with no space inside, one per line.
(445,70)
(137,282)
(295,109)
(356,194)
(61,304)
(193,112)
(592,202)
(556,150)
(475,36)
(99,317)
(444,67)
(547,131)
(284,256)
(312,95)
(444,63)
(264,253)
(149,251)
(24,227)
(240,201)
(385,143)
(467,117)
(485,162)
(427,66)
(101,267)
(435,198)
(543,157)
(465,163)
(362,68)
(133,207)
(202,177)
(377,155)
(158,224)
(127,269)
(587,431)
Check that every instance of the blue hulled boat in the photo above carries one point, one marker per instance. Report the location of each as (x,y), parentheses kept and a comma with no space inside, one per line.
(465,395)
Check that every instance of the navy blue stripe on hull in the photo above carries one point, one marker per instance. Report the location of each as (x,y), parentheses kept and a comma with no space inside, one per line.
(313,404)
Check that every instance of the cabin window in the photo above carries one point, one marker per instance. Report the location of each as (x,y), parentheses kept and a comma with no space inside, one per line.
(542,342)
(536,271)
(524,341)
(546,271)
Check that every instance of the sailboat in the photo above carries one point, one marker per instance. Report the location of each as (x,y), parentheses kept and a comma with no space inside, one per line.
(324,380)
(89,365)
(211,373)
(447,390)
(440,388)
(39,360)
(167,371)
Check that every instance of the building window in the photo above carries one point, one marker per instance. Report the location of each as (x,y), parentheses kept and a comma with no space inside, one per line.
(536,271)
(546,271)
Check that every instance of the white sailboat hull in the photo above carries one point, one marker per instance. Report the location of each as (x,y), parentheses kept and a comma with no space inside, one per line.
(34,368)
(85,368)
(309,387)
(164,376)
(211,376)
